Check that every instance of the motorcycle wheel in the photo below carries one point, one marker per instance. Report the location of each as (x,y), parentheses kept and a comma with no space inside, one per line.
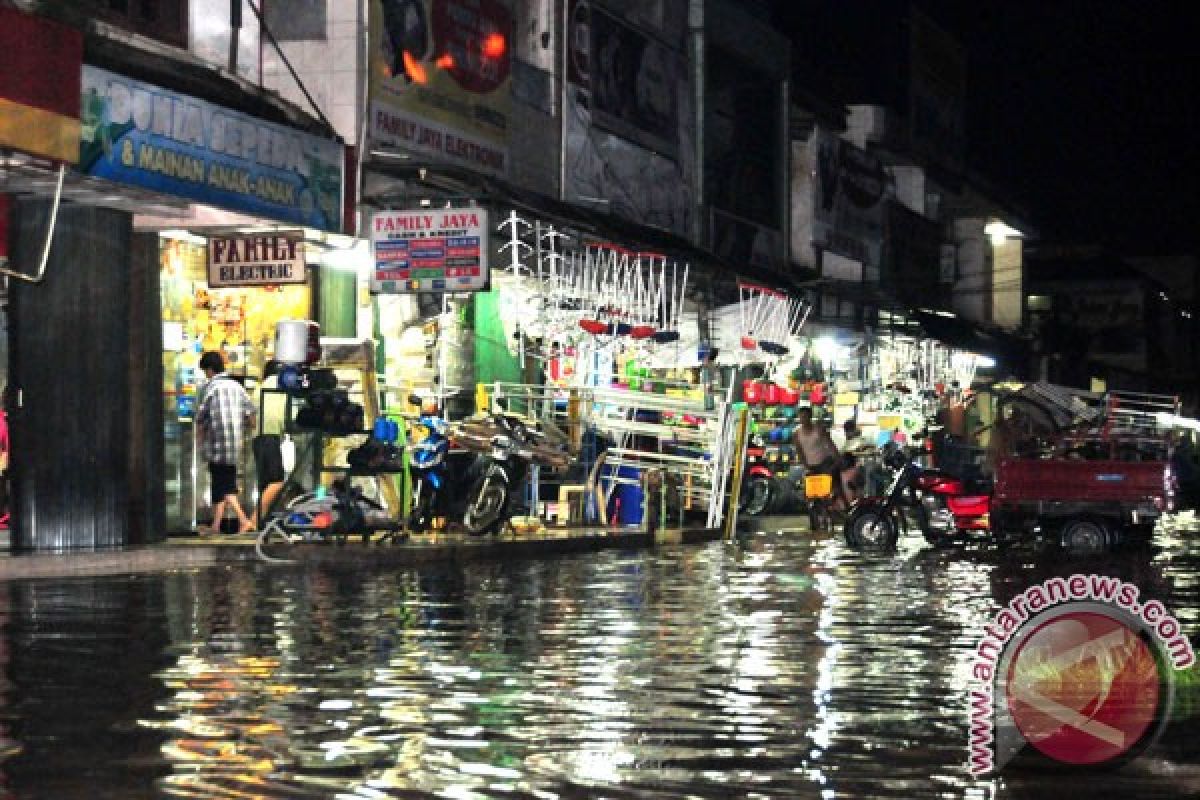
(871,528)
(757,494)
(418,516)
(487,504)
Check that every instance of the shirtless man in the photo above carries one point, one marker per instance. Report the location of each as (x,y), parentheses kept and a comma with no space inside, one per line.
(817,451)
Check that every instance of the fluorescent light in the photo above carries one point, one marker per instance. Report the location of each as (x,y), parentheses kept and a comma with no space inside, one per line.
(985,362)
(999,231)
(351,259)
(183,236)
(826,348)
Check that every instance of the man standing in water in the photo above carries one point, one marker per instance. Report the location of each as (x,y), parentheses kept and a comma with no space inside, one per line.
(224,410)
(816,450)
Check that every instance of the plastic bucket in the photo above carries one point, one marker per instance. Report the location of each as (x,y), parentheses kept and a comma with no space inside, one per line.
(818,485)
(291,341)
(627,498)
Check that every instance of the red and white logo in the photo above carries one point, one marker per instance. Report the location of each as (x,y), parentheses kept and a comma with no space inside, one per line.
(1078,668)
(1084,687)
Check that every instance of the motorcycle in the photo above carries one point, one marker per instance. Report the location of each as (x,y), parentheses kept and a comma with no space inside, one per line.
(507,447)
(427,462)
(759,490)
(945,507)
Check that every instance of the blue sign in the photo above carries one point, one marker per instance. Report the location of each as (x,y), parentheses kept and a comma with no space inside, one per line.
(142,135)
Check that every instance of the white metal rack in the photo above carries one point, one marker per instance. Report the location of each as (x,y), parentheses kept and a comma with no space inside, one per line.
(613,412)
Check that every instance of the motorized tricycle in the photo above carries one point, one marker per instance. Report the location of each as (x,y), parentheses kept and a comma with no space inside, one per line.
(1080,469)
(941,506)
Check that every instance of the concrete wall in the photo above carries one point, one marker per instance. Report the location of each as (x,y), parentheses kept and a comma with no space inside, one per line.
(973,282)
(1007,283)
(332,69)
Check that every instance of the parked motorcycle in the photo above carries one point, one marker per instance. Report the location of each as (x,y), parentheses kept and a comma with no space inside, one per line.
(427,463)
(507,447)
(943,507)
(759,489)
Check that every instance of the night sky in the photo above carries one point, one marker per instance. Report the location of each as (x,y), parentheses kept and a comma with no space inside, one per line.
(1083,110)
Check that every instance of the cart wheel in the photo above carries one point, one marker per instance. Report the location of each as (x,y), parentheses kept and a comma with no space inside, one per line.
(1084,536)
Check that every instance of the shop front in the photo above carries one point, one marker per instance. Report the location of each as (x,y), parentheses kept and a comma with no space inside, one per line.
(185,225)
(223,293)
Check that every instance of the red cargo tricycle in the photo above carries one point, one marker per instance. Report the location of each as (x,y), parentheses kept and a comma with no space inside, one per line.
(1082,469)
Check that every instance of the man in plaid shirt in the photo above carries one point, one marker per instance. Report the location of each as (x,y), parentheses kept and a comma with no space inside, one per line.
(224,410)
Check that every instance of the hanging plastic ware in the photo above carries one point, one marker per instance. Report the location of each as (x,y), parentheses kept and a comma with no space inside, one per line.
(665,337)
(621,329)
(773,348)
(749,343)
(594,326)
(642,332)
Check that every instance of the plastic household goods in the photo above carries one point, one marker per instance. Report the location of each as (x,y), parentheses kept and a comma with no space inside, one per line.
(292,341)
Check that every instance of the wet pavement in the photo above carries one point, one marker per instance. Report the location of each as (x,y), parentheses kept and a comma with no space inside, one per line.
(783,666)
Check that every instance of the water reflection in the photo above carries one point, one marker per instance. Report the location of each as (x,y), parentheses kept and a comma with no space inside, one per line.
(783,667)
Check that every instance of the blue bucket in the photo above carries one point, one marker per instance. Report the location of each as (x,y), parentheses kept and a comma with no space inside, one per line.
(629,495)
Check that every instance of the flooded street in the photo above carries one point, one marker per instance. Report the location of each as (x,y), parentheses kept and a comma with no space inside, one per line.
(784,666)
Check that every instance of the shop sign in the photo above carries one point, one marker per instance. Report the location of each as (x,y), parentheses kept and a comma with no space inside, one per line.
(441,80)
(39,86)
(629,137)
(157,139)
(427,250)
(256,259)
(633,78)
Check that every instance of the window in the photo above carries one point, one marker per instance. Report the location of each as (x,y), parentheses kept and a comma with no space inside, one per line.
(295,20)
(1040,302)
(165,20)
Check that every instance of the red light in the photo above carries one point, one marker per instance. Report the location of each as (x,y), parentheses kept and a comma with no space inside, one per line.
(414,69)
(444,61)
(494,45)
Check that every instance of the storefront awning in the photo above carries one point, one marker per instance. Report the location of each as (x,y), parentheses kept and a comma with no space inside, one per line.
(489,190)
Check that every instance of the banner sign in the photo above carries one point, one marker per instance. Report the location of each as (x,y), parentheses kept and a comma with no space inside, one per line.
(849,186)
(256,259)
(427,250)
(39,86)
(143,135)
(633,80)
(629,139)
(441,80)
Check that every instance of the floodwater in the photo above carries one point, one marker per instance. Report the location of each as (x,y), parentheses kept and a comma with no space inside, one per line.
(784,666)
